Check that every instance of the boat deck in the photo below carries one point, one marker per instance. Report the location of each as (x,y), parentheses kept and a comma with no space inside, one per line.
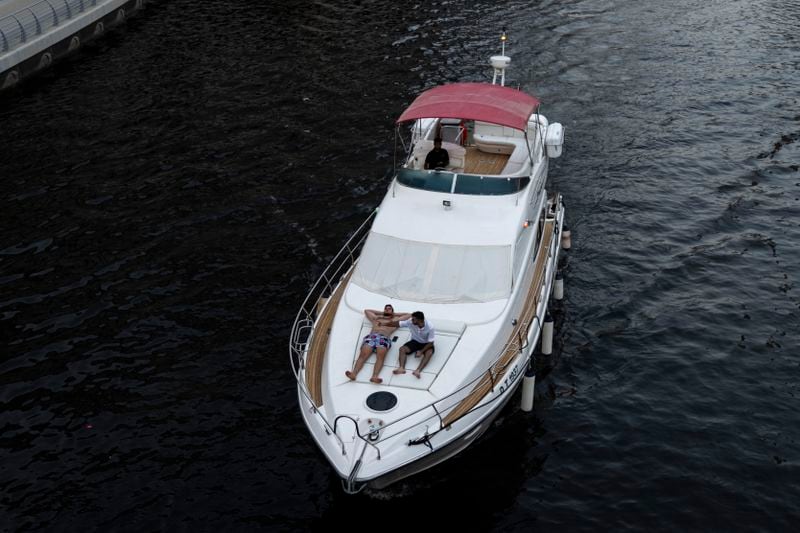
(319,342)
(484,163)
(447,340)
(448,334)
(498,370)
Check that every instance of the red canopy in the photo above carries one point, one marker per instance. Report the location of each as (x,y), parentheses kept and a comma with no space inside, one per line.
(474,101)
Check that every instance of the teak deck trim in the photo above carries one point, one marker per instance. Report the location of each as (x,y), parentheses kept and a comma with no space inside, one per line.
(526,317)
(319,342)
(477,162)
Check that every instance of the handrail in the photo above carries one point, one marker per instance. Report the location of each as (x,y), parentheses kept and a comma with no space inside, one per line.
(55,15)
(336,421)
(327,282)
(21,27)
(29,23)
(38,24)
(325,285)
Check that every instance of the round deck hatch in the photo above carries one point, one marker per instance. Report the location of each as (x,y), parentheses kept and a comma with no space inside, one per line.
(381,401)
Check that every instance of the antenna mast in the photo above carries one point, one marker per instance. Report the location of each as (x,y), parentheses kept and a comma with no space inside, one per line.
(501,62)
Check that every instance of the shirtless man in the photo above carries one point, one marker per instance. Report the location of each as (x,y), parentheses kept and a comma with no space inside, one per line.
(379,340)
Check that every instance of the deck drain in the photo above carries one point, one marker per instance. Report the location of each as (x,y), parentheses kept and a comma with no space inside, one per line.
(381,401)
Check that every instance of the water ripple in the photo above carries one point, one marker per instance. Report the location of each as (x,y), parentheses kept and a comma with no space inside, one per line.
(172,192)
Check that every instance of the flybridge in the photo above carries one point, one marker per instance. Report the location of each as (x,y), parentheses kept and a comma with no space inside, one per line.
(487,130)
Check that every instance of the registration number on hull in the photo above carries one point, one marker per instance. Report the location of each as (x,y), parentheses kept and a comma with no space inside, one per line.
(510,378)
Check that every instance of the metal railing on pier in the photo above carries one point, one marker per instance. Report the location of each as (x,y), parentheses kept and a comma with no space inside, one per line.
(20,27)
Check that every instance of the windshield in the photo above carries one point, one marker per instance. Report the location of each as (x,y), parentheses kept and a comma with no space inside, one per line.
(437,273)
(427,180)
(438,181)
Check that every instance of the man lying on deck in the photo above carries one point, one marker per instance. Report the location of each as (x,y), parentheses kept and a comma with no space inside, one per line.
(379,340)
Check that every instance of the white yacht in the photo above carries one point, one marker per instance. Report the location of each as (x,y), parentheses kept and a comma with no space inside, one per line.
(475,247)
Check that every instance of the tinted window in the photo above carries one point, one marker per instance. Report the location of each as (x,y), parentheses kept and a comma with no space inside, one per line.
(426,179)
(469,184)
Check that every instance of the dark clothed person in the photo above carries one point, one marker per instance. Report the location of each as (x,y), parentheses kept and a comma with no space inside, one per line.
(438,157)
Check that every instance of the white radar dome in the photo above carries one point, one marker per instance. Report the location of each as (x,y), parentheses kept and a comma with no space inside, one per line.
(500,61)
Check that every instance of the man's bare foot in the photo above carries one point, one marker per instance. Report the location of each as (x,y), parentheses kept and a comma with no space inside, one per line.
(376,379)
(417,355)
(350,375)
(399,371)
(416,373)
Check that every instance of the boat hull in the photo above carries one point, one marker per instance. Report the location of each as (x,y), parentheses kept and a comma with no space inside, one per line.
(441,454)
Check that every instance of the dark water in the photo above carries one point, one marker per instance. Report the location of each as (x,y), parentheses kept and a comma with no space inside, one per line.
(169,195)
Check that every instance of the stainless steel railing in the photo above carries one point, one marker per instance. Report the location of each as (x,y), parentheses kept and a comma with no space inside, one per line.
(324,287)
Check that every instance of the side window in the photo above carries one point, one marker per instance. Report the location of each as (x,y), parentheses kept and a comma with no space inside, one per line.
(520,248)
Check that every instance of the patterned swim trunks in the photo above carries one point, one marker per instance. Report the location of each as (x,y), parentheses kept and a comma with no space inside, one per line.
(377,340)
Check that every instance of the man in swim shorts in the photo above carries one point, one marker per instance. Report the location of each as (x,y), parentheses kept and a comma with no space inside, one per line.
(379,340)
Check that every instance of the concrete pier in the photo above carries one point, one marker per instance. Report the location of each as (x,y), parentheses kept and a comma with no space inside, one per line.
(34,33)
